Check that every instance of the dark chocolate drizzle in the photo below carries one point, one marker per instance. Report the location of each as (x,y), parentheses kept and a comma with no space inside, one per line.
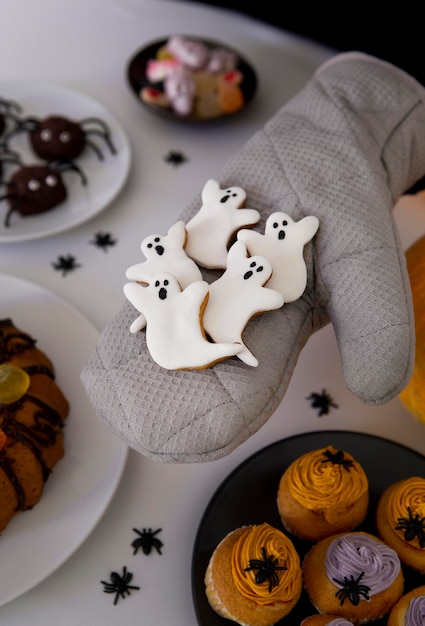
(25,342)
(47,421)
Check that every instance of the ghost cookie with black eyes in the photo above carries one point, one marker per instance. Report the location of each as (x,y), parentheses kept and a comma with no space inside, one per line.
(283,244)
(237,296)
(173,321)
(212,228)
(165,253)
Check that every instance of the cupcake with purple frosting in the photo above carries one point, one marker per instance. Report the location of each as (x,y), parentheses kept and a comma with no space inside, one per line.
(354,576)
(325,620)
(409,610)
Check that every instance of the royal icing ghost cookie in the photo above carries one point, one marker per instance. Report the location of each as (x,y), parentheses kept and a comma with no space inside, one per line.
(211,230)
(283,244)
(237,296)
(166,253)
(173,321)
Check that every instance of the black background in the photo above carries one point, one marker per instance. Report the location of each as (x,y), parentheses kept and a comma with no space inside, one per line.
(395,32)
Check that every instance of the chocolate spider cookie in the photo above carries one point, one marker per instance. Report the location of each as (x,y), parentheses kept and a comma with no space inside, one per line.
(56,137)
(34,189)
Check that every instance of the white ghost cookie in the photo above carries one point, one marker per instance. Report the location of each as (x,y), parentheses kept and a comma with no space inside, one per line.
(211,230)
(173,320)
(283,244)
(237,296)
(166,253)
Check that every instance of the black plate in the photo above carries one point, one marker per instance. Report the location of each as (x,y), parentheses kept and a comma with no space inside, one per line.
(136,75)
(248,496)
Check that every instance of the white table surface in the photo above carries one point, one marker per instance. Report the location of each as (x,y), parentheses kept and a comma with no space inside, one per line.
(85,45)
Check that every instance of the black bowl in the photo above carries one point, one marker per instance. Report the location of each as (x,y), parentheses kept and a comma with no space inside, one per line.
(136,75)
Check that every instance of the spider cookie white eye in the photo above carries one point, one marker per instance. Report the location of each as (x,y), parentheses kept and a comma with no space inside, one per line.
(33,185)
(51,180)
(46,135)
(65,137)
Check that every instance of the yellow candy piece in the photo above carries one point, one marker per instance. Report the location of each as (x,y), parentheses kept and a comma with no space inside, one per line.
(14,382)
(162,53)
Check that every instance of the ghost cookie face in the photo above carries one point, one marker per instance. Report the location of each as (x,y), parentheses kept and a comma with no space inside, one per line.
(237,296)
(166,253)
(173,321)
(210,231)
(283,244)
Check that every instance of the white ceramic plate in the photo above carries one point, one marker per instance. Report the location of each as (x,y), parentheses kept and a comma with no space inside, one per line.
(105,177)
(80,488)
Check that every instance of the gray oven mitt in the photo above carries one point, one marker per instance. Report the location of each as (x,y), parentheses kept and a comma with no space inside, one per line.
(344,150)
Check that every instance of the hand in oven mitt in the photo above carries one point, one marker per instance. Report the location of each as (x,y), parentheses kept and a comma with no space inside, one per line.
(343,150)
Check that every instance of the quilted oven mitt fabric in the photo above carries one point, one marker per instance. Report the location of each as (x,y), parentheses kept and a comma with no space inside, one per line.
(344,149)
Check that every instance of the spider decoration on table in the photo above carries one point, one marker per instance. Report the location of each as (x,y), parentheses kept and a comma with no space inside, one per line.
(66,264)
(175,158)
(61,138)
(120,584)
(352,590)
(103,240)
(267,569)
(413,527)
(322,401)
(8,111)
(147,541)
(337,458)
(38,188)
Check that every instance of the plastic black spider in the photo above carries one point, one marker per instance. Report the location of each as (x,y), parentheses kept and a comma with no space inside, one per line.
(119,584)
(337,458)
(267,568)
(147,540)
(66,264)
(175,158)
(352,590)
(322,401)
(103,240)
(56,137)
(413,526)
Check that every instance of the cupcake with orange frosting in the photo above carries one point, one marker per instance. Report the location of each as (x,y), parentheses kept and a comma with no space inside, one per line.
(254,576)
(321,493)
(400,520)
(409,610)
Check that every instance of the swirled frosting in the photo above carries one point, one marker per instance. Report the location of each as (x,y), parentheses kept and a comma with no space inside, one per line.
(279,549)
(353,554)
(340,621)
(408,495)
(415,613)
(327,481)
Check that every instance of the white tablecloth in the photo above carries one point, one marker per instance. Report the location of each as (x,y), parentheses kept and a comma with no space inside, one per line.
(86,45)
